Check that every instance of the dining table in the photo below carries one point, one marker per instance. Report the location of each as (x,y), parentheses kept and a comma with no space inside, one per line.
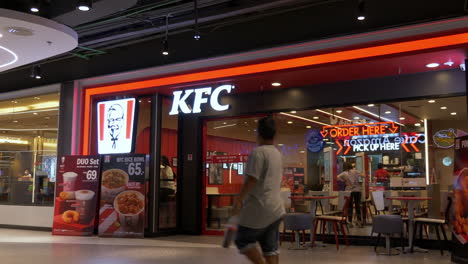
(412,204)
(313,206)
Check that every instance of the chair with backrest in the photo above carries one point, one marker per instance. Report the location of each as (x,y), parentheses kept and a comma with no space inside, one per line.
(296,222)
(338,222)
(387,225)
(421,222)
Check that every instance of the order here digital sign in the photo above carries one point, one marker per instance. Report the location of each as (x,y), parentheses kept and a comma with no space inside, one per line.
(380,136)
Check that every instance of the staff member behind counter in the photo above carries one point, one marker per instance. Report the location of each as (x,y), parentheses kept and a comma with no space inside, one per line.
(381,176)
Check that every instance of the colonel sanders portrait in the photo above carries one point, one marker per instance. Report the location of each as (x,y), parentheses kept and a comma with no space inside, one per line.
(115,122)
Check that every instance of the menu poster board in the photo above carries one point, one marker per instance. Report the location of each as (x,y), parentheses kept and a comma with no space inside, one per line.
(76,195)
(460,217)
(122,206)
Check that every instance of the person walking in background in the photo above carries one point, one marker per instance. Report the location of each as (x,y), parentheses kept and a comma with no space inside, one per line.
(259,206)
(351,177)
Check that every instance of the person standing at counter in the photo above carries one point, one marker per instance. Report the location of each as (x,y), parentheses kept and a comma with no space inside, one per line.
(381,175)
(167,181)
(259,206)
(351,177)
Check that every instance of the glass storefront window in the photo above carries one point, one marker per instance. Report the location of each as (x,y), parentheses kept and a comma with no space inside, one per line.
(400,149)
(28,154)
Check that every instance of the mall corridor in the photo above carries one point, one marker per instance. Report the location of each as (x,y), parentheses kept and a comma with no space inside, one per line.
(17,246)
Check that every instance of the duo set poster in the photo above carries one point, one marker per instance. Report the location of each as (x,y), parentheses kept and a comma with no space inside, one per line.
(106,191)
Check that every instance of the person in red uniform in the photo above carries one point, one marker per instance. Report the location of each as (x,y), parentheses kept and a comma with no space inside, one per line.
(381,175)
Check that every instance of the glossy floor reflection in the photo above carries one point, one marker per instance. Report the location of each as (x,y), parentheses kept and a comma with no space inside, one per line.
(40,248)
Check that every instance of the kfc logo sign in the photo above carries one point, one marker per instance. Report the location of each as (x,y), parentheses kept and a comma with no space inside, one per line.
(115,126)
(202,96)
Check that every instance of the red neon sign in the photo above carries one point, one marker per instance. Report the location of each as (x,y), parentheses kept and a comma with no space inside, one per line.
(352,130)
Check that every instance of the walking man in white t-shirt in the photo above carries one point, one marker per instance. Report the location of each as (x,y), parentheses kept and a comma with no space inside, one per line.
(259,206)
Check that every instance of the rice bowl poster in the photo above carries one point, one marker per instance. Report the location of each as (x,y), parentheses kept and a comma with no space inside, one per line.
(122,205)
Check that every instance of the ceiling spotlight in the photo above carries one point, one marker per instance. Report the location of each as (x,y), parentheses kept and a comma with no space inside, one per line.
(293,112)
(431,101)
(165,44)
(290,122)
(165,50)
(37,98)
(388,112)
(308,126)
(197,35)
(280,145)
(315,117)
(449,63)
(35,6)
(402,118)
(34,9)
(276,84)
(339,111)
(36,72)
(35,113)
(356,118)
(443,107)
(432,65)
(361,10)
(453,113)
(417,124)
(15,121)
(85,5)
(371,105)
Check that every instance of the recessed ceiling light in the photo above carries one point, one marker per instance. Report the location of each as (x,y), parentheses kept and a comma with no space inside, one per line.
(224,123)
(280,145)
(371,105)
(308,126)
(302,151)
(339,111)
(37,98)
(15,121)
(34,9)
(293,112)
(315,117)
(276,84)
(290,122)
(417,124)
(388,112)
(402,118)
(85,5)
(47,117)
(361,18)
(15,102)
(1,35)
(443,107)
(431,101)
(356,118)
(453,113)
(432,65)
(449,63)
(35,113)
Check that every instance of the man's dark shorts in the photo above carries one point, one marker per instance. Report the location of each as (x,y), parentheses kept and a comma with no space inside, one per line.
(267,237)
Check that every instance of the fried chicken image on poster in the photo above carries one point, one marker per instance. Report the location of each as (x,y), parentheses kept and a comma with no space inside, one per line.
(115,126)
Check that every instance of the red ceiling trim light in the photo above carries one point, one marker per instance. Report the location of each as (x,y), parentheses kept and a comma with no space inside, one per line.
(332,57)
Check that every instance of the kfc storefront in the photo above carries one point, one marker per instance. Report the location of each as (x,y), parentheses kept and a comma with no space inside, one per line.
(342,100)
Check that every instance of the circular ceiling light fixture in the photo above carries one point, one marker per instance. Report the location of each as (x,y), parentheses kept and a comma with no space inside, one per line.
(453,113)
(417,124)
(431,101)
(34,9)
(339,111)
(276,84)
(293,112)
(356,118)
(443,107)
(432,65)
(315,117)
(388,112)
(290,122)
(308,126)
(402,118)
(85,5)
(371,105)
(36,72)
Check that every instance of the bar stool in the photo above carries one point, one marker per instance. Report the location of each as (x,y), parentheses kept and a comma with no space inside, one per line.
(387,225)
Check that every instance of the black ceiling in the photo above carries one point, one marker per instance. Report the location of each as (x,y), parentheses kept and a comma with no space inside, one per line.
(131,39)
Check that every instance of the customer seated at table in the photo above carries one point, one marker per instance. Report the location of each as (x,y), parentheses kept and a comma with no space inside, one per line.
(381,176)
(351,177)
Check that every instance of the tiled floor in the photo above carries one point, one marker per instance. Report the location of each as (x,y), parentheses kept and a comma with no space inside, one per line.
(18,246)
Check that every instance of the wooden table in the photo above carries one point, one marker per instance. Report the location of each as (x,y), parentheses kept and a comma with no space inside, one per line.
(210,204)
(313,207)
(412,203)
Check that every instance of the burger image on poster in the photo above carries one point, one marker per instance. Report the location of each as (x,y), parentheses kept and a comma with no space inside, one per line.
(314,141)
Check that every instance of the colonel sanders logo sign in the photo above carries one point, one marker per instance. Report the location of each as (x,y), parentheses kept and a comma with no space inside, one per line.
(115,126)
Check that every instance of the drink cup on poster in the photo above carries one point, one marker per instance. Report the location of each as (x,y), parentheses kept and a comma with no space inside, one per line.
(69,181)
(85,204)
(114,181)
(129,206)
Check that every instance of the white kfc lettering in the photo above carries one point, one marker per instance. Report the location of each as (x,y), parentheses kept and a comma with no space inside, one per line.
(179,102)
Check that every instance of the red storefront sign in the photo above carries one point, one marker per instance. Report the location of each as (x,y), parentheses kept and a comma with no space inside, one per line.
(227,159)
